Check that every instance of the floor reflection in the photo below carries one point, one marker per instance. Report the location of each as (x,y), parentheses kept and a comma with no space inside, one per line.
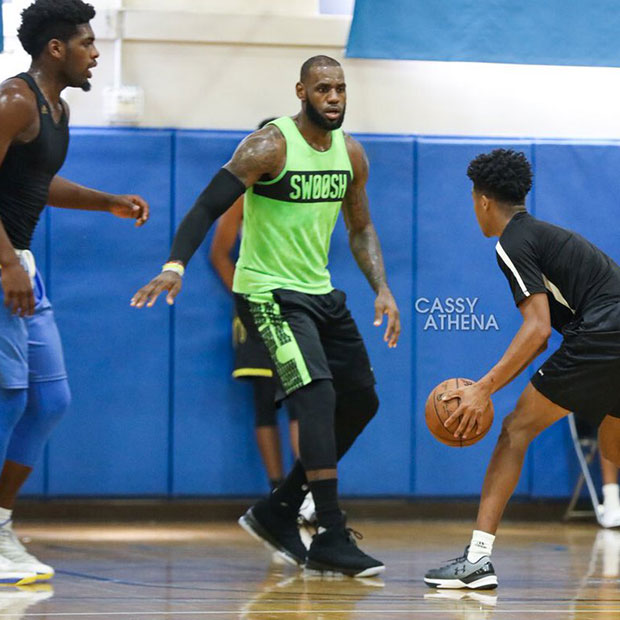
(307,595)
(15,601)
(464,604)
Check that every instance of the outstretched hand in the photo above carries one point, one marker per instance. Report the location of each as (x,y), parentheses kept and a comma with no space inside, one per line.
(385,304)
(130,206)
(166,281)
(474,400)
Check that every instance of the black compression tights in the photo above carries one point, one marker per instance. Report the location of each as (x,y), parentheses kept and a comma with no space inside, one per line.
(354,410)
(339,423)
(264,401)
(328,425)
(314,405)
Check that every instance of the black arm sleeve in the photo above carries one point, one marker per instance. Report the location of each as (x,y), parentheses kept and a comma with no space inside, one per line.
(214,200)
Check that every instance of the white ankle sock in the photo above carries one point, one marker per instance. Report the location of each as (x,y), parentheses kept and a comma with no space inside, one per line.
(481,544)
(5,516)
(611,497)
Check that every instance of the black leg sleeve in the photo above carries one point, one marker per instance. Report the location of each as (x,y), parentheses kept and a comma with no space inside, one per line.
(264,401)
(353,412)
(314,406)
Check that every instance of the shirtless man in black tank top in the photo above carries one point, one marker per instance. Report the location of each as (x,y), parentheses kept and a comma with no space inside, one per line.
(34,137)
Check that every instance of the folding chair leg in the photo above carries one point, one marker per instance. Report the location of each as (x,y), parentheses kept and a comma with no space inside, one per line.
(570,510)
(586,476)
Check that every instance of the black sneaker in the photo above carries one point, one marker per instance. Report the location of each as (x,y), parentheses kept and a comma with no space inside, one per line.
(335,550)
(461,573)
(276,529)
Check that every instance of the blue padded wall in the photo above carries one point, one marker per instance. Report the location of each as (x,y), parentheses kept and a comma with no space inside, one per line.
(155,411)
(378,463)
(577,186)
(114,440)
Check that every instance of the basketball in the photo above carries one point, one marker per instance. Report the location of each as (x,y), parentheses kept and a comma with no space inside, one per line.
(438,411)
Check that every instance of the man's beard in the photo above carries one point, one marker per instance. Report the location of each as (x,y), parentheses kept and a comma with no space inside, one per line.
(320,121)
(85,86)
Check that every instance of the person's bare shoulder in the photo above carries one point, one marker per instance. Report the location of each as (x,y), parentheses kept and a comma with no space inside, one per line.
(18,107)
(14,93)
(261,153)
(358,158)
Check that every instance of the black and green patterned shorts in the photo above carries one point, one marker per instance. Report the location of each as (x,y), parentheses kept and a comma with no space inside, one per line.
(308,337)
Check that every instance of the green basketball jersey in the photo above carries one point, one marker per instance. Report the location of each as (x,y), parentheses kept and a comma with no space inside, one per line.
(288,221)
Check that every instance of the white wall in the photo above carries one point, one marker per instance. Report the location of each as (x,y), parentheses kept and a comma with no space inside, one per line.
(229,63)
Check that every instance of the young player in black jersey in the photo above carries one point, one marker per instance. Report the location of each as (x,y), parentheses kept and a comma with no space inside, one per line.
(34,136)
(558,279)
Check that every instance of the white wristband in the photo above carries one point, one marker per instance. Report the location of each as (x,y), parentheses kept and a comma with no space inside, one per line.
(176,267)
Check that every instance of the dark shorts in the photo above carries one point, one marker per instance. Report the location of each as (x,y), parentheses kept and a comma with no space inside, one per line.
(583,375)
(251,355)
(308,337)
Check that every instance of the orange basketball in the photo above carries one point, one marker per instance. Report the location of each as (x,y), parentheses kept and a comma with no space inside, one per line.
(438,411)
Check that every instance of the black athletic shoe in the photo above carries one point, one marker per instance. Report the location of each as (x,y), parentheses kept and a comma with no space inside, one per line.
(276,529)
(461,573)
(335,550)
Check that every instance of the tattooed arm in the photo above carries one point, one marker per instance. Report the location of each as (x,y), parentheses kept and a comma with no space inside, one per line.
(365,244)
(261,153)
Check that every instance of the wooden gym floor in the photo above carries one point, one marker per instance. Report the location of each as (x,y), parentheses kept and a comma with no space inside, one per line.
(214,570)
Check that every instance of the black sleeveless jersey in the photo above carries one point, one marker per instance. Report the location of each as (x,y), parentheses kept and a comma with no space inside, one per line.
(28,170)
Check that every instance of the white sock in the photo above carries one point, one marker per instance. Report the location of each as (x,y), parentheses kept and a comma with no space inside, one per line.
(611,497)
(481,544)
(5,517)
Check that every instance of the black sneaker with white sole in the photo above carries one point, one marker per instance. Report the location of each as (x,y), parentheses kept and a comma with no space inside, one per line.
(277,529)
(335,550)
(461,573)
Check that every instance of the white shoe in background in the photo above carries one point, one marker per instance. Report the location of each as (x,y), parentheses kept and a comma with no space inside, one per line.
(10,575)
(15,554)
(610,518)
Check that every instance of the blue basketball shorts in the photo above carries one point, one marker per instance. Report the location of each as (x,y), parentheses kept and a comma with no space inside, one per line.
(30,347)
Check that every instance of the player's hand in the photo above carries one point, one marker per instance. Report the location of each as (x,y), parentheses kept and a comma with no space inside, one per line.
(17,287)
(385,304)
(130,206)
(474,402)
(166,281)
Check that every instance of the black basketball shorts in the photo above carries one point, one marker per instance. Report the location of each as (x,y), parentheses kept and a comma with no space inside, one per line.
(308,337)
(583,375)
(251,355)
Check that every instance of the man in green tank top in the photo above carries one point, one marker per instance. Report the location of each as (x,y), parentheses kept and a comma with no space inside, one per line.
(297,173)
